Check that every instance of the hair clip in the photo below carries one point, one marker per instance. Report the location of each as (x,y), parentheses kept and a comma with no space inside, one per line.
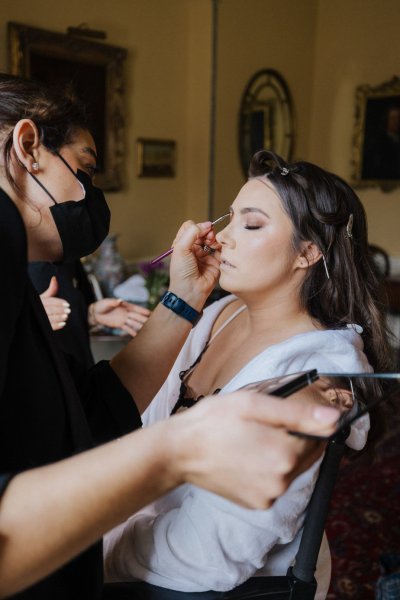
(349,226)
(285,171)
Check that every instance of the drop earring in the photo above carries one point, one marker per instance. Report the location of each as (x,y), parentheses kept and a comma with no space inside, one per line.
(326,266)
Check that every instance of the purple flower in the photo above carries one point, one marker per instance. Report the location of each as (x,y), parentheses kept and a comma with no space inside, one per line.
(147,268)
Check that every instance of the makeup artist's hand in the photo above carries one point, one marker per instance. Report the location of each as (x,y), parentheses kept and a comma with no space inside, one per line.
(194,271)
(116,313)
(57,309)
(237,445)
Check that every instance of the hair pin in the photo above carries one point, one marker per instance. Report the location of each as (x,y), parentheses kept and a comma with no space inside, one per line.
(349,226)
(285,171)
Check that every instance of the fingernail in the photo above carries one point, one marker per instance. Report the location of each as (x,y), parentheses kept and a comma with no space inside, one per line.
(66,304)
(325,414)
(67,311)
(61,324)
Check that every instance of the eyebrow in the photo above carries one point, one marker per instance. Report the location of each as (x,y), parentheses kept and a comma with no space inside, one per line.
(250,209)
(89,150)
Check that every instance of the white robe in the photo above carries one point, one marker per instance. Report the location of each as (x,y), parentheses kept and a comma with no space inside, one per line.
(193,540)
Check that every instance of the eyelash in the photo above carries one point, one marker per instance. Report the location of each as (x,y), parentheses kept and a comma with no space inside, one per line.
(252,227)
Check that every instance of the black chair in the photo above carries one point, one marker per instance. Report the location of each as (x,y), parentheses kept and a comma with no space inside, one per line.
(381,260)
(298,584)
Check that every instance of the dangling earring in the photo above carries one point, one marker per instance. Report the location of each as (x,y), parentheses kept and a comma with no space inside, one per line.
(349,226)
(35,166)
(326,266)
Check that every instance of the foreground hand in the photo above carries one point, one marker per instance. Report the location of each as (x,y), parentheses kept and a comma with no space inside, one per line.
(238,446)
(57,309)
(118,314)
(194,271)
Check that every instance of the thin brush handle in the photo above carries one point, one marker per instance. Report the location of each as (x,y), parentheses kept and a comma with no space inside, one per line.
(168,252)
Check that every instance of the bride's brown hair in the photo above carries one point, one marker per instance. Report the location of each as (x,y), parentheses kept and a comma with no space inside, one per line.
(325,210)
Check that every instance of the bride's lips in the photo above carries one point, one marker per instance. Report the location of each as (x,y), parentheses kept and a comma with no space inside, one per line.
(226,263)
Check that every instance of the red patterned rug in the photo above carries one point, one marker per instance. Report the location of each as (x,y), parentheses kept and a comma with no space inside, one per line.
(364,520)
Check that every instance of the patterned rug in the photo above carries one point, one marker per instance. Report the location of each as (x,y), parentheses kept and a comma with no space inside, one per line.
(364,520)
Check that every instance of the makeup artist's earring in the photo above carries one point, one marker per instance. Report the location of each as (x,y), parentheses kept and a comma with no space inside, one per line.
(326,266)
(35,166)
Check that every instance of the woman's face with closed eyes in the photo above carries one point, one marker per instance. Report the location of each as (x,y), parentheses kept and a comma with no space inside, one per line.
(257,253)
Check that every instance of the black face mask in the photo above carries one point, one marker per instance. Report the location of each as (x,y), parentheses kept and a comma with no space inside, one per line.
(83,224)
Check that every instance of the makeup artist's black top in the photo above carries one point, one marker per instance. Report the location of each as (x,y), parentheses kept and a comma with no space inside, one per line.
(43,417)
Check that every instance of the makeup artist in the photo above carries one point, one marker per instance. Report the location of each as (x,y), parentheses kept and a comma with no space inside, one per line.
(56,500)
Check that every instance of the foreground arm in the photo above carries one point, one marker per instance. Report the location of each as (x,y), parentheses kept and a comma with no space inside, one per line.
(237,447)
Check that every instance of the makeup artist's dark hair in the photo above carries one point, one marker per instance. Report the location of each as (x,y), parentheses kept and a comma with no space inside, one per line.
(320,205)
(57,114)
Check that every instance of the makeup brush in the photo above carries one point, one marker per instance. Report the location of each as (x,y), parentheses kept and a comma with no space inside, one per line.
(168,252)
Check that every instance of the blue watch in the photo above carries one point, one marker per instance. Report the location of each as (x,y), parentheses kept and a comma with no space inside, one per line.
(181,308)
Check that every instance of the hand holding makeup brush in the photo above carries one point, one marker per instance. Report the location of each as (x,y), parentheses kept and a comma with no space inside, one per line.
(194,270)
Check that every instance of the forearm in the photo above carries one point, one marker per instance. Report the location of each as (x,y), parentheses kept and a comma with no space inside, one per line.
(144,364)
(49,515)
(237,447)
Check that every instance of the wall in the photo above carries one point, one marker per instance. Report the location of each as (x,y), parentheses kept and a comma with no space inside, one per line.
(146,213)
(255,35)
(357,43)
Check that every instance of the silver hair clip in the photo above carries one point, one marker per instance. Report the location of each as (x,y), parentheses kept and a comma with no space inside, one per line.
(285,171)
(326,266)
(349,226)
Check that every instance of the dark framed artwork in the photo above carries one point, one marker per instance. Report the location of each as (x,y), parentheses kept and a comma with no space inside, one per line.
(155,158)
(376,148)
(91,70)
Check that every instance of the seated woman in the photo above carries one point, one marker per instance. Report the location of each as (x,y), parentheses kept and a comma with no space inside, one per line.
(305,296)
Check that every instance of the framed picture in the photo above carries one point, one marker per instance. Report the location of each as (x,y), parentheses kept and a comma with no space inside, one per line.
(93,72)
(376,150)
(155,158)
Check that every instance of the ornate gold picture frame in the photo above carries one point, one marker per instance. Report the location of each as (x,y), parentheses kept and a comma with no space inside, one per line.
(376,148)
(155,158)
(93,71)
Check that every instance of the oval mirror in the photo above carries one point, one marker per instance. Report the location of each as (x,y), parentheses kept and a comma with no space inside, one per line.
(265,118)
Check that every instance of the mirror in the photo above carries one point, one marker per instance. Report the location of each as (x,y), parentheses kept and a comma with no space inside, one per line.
(265,117)
(354,394)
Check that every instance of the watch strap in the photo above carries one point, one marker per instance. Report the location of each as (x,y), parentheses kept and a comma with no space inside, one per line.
(181,308)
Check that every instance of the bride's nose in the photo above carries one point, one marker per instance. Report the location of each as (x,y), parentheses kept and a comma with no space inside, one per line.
(223,237)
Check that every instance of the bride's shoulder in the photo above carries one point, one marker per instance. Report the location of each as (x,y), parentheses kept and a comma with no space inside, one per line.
(224,309)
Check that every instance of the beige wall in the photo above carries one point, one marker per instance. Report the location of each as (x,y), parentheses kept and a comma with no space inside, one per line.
(357,43)
(156,34)
(323,50)
(254,35)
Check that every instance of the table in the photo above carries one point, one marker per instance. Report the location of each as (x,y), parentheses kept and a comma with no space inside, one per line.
(104,347)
